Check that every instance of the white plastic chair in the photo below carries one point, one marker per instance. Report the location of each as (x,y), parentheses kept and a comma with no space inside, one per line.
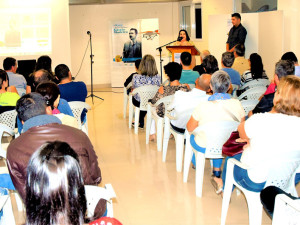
(179,138)
(6,206)
(4,131)
(77,107)
(217,133)
(256,83)
(94,194)
(253,93)
(125,99)
(281,174)
(235,87)
(9,118)
(151,114)
(286,210)
(249,105)
(145,92)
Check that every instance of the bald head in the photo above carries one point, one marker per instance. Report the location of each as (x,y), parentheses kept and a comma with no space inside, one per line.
(203,82)
(204,53)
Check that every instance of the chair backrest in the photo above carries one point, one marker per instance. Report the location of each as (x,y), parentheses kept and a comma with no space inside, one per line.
(286,210)
(253,93)
(94,194)
(166,100)
(235,87)
(217,133)
(145,92)
(9,118)
(77,108)
(256,83)
(3,131)
(249,105)
(282,171)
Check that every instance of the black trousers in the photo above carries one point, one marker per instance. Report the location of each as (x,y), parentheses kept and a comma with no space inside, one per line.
(142,113)
(268,195)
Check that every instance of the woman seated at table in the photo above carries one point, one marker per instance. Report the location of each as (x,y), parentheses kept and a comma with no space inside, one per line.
(173,72)
(148,75)
(267,135)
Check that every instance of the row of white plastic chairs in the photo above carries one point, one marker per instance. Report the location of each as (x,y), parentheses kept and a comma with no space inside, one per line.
(213,150)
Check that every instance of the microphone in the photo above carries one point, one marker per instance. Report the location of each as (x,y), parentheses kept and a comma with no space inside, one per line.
(88,32)
(179,38)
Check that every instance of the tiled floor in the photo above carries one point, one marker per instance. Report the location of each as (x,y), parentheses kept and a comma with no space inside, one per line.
(150,192)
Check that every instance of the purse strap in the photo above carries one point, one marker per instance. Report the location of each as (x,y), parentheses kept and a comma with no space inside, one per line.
(230,113)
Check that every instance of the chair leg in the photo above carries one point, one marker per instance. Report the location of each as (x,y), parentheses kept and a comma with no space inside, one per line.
(200,164)
(136,120)
(160,122)
(254,208)
(125,101)
(18,201)
(227,191)
(8,215)
(187,157)
(130,114)
(166,138)
(179,152)
(148,123)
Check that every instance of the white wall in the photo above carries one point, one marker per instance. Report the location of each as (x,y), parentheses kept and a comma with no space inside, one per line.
(97,19)
(291,12)
(61,52)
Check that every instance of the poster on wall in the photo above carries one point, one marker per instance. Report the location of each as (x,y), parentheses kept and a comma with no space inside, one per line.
(131,39)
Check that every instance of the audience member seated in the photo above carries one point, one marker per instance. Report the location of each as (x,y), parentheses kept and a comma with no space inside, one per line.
(188,76)
(129,79)
(185,102)
(226,62)
(267,135)
(148,75)
(256,70)
(44,62)
(200,68)
(50,91)
(240,64)
(55,191)
(7,97)
(15,79)
(40,128)
(173,72)
(282,68)
(219,107)
(292,57)
(70,90)
(210,65)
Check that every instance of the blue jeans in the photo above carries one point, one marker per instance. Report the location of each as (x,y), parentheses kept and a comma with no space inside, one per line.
(241,176)
(217,163)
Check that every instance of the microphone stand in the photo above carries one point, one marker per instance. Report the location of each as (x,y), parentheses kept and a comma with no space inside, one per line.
(91,56)
(160,60)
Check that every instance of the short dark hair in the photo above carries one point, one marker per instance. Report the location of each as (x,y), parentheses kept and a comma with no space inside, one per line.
(173,71)
(50,91)
(236,15)
(186,34)
(284,68)
(44,62)
(62,71)
(210,64)
(227,59)
(30,105)
(8,63)
(240,49)
(137,63)
(290,56)
(186,58)
(136,32)
(54,186)
(3,77)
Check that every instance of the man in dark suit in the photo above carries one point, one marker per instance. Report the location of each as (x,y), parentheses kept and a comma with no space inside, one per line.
(132,48)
